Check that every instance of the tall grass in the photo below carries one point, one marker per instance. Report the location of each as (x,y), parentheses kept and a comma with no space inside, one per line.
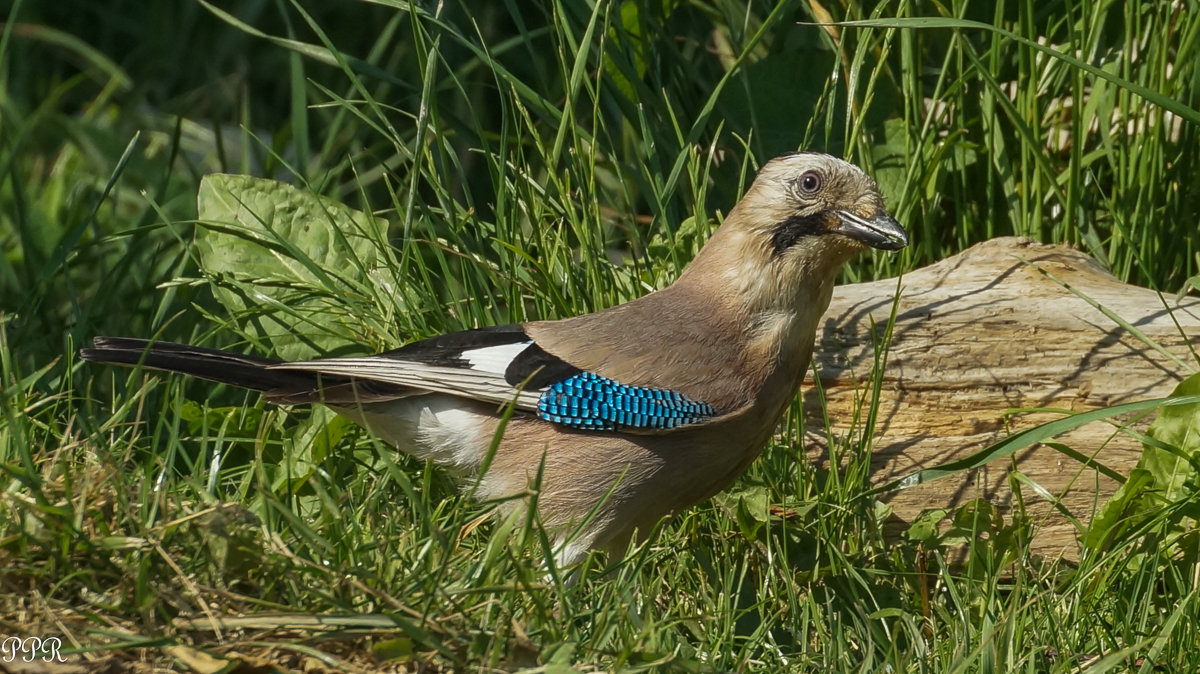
(539,161)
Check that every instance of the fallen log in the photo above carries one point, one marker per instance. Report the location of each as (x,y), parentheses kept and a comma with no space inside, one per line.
(982,333)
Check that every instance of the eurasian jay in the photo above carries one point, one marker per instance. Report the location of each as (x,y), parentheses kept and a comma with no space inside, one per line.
(631,413)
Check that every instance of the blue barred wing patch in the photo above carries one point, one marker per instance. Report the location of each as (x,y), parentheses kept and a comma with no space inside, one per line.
(592,402)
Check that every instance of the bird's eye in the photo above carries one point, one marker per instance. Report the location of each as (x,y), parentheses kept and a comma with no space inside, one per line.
(810,182)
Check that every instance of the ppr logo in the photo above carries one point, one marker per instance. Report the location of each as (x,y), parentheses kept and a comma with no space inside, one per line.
(30,649)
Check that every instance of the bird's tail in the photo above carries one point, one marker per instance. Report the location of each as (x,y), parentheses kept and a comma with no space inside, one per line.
(249,372)
(225,367)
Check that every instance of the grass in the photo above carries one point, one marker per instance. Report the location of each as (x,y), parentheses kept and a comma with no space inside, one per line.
(540,162)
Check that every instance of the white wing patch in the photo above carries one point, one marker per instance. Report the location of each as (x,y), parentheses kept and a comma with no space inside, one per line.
(476,384)
(494,358)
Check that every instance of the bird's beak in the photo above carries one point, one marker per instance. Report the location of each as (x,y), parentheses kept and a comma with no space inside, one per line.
(881,231)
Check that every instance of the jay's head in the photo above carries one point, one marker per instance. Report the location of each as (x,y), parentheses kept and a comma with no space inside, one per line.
(805,215)
(807,200)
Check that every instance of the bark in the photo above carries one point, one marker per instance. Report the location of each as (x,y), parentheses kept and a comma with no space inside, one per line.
(980,334)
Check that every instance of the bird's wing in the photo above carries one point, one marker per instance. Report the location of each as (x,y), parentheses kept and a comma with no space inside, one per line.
(503,365)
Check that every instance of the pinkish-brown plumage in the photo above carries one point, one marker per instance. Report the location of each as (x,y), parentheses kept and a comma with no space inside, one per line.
(735,332)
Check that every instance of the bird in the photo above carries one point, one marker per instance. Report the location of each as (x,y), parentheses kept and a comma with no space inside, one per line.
(617,418)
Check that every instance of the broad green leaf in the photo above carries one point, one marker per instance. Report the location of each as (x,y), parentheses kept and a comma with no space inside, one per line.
(1119,510)
(634,33)
(1165,472)
(749,507)
(628,33)
(1189,285)
(976,516)
(890,158)
(394,649)
(752,511)
(287,263)
(1177,427)
(925,527)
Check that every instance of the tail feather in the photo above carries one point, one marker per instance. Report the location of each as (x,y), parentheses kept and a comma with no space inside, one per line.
(236,369)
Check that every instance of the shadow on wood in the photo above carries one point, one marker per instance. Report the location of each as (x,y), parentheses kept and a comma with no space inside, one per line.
(979,334)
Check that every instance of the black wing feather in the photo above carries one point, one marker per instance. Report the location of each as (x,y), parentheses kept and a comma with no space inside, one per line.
(533,367)
(446,350)
(537,369)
